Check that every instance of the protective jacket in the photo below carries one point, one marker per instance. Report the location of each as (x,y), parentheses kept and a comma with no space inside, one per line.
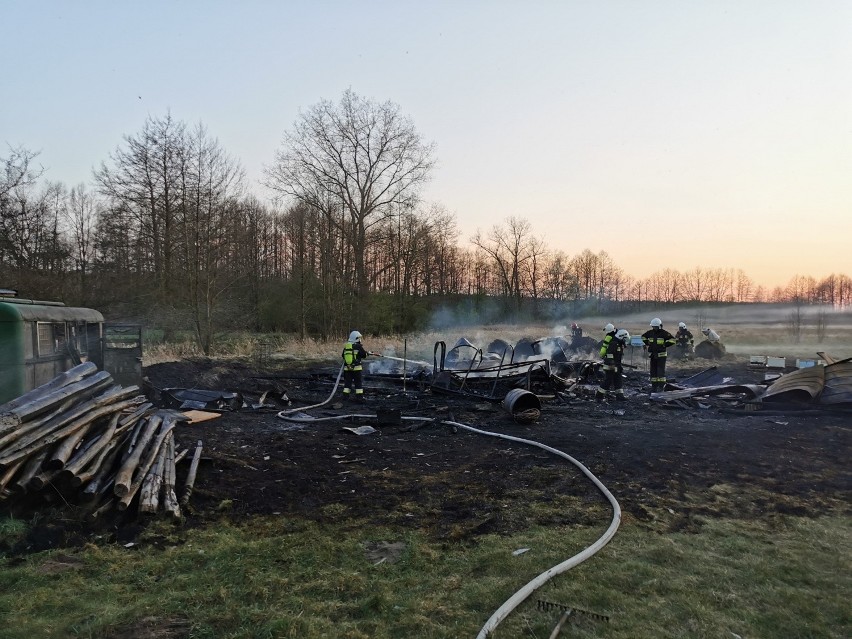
(683,337)
(657,340)
(607,340)
(353,353)
(612,351)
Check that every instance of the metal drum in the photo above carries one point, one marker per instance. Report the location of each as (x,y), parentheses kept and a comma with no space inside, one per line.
(522,405)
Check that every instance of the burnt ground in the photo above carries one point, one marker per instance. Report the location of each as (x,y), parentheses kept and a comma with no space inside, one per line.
(667,467)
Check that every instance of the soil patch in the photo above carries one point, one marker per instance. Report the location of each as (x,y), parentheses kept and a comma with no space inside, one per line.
(668,468)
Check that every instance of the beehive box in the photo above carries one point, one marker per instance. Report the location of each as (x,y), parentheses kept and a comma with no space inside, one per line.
(776,362)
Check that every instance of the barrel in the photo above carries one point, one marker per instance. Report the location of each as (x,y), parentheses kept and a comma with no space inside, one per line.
(522,405)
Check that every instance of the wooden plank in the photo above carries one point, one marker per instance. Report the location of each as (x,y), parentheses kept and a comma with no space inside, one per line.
(196,416)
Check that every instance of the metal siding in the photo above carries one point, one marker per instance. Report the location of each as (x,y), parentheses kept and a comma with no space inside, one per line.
(21,369)
(12,381)
(800,385)
(838,383)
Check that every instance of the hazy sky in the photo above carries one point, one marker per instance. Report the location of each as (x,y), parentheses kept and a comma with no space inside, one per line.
(669,134)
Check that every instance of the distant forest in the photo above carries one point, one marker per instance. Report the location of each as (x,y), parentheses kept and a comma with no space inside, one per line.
(168,233)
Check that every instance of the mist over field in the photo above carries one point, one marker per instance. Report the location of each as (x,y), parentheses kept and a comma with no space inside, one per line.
(745,329)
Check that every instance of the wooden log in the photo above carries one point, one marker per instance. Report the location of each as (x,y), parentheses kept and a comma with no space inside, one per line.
(26,436)
(149,497)
(92,448)
(64,449)
(9,474)
(70,376)
(42,479)
(104,463)
(83,389)
(32,468)
(190,477)
(141,411)
(170,502)
(145,465)
(10,457)
(104,508)
(99,486)
(35,424)
(124,476)
(179,457)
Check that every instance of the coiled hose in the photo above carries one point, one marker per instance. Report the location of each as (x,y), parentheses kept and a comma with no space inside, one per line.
(516,599)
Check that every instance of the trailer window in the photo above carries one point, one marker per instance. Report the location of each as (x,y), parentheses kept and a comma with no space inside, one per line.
(51,338)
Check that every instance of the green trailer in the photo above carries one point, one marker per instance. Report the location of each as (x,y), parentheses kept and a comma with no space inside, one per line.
(39,340)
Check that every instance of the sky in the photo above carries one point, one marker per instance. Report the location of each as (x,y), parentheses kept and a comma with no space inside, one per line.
(669,134)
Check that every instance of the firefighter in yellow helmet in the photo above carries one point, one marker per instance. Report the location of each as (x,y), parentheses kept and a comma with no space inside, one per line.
(656,341)
(353,378)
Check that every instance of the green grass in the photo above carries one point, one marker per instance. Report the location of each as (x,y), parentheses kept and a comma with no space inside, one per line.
(281,578)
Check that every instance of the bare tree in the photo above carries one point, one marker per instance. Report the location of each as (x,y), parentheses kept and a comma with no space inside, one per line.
(18,170)
(81,217)
(821,324)
(144,176)
(510,248)
(664,286)
(358,156)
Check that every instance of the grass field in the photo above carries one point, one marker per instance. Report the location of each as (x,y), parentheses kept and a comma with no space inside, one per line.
(275,578)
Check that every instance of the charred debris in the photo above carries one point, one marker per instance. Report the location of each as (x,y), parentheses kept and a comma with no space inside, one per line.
(531,375)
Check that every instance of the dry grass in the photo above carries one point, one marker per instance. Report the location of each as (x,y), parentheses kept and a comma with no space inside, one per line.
(742,333)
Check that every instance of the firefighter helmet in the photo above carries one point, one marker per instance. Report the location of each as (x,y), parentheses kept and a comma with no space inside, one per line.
(656,322)
(623,335)
(354,336)
(609,328)
(681,325)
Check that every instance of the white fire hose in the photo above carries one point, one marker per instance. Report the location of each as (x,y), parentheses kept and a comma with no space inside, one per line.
(516,599)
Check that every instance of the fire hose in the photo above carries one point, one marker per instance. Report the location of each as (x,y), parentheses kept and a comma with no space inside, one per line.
(516,599)
(283,413)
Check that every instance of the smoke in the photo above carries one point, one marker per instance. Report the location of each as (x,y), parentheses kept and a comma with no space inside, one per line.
(468,313)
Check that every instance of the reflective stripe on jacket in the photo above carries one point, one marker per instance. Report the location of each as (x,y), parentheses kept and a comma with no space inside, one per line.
(657,340)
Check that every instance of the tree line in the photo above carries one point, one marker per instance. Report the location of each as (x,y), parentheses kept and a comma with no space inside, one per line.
(168,232)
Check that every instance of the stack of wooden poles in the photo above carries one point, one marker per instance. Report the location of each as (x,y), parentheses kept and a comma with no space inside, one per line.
(93,440)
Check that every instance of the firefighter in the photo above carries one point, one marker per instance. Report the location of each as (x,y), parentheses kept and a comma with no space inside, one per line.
(609,333)
(711,335)
(576,333)
(353,353)
(612,352)
(684,340)
(656,341)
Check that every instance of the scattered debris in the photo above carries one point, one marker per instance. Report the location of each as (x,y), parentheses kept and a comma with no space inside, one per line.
(360,430)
